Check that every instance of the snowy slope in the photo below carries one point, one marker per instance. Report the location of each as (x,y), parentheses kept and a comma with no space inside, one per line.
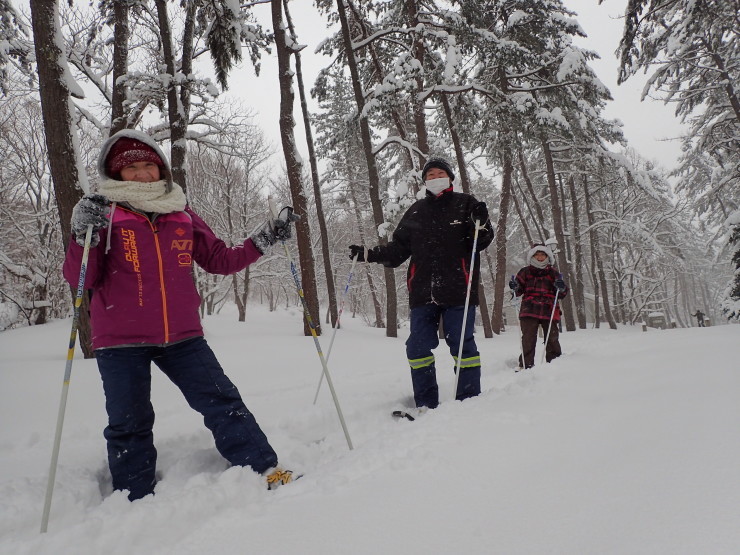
(627,444)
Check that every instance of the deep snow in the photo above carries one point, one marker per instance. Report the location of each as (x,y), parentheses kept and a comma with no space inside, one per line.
(627,444)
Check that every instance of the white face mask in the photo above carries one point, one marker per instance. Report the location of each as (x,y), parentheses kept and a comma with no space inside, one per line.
(436,186)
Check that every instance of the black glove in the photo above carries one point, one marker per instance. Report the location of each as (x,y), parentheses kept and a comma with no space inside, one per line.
(90,210)
(281,225)
(479,213)
(363,254)
(514,284)
(358,251)
(560,284)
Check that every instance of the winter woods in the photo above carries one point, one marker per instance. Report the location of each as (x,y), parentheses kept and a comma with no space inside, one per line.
(499,88)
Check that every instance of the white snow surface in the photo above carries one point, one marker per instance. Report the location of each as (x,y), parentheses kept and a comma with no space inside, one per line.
(627,444)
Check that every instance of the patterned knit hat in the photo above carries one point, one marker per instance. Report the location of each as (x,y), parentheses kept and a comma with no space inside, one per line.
(440,163)
(126,151)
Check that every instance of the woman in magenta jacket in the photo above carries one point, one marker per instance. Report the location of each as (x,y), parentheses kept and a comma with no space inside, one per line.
(144,309)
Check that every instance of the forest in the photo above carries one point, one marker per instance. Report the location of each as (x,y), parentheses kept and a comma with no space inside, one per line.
(498,86)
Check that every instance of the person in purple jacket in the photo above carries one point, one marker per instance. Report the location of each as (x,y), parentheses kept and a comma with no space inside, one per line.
(539,284)
(144,309)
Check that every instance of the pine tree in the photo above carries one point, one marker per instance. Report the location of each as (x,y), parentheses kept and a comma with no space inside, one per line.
(731,299)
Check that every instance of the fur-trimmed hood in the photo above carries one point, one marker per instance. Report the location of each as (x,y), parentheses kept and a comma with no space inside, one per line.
(541,248)
(139,136)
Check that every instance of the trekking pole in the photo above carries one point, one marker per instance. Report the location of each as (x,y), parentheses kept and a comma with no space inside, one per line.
(65,384)
(465,310)
(549,326)
(307,314)
(336,326)
(517,307)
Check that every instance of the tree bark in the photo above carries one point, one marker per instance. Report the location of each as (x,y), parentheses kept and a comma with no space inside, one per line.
(465,183)
(178,105)
(520,213)
(294,169)
(417,50)
(323,231)
(61,136)
(379,323)
(577,285)
(557,224)
(120,66)
(540,221)
(372,170)
(497,322)
(599,277)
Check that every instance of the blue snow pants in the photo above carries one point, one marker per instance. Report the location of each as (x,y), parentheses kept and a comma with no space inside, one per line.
(423,338)
(192,367)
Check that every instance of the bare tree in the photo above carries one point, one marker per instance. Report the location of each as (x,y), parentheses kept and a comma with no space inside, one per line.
(372,169)
(293,164)
(323,232)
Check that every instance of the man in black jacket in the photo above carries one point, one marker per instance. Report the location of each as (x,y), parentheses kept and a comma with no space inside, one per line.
(437,233)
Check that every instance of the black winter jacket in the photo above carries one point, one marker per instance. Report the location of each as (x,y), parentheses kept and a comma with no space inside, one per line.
(437,233)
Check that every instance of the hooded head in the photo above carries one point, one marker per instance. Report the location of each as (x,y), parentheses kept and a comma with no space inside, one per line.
(540,264)
(129,146)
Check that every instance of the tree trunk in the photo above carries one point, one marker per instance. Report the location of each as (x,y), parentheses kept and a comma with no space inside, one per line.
(577,285)
(178,105)
(372,170)
(61,140)
(361,230)
(323,231)
(120,66)
(294,169)
(598,270)
(417,50)
(465,183)
(497,322)
(398,121)
(557,224)
(519,213)
(540,221)
(564,214)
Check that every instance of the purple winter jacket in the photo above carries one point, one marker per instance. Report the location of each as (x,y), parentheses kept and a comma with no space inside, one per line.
(143,289)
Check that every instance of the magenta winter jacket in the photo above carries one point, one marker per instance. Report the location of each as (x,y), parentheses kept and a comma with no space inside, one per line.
(142,289)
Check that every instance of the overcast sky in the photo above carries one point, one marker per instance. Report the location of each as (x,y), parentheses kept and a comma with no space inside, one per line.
(648,125)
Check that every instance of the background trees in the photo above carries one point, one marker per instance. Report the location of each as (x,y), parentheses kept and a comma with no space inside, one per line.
(692,52)
(498,87)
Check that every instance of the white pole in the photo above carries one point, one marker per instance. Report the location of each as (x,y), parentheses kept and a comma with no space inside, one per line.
(465,310)
(549,326)
(336,326)
(307,314)
(65,383)
(517,307)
